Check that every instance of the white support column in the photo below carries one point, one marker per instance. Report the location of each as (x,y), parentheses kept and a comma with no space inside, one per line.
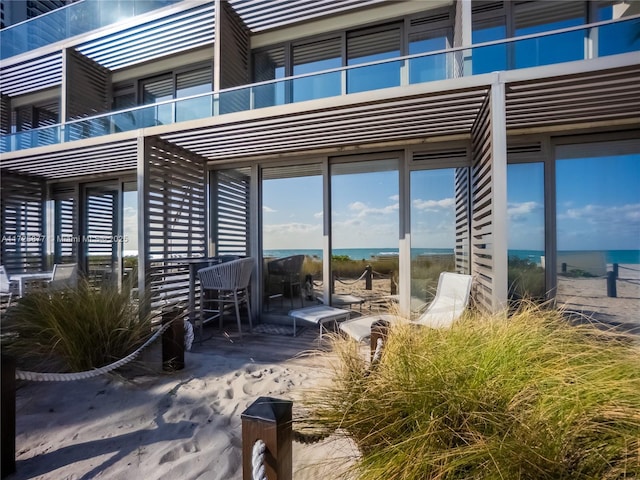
(499,195)
(404,244)
(143,242)
(326,232)
(216,46)
(465,19)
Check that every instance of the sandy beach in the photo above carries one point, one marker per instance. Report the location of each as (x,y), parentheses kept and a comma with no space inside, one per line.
(150,424)
(158,425)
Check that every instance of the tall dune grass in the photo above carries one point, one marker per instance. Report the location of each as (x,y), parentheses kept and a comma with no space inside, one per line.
(74,329)
(529,397)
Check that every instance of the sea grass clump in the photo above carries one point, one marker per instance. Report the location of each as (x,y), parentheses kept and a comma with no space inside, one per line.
(528,397)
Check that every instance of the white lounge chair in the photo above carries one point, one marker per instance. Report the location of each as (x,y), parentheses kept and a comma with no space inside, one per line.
(452,298)
(65,275)
(5,286)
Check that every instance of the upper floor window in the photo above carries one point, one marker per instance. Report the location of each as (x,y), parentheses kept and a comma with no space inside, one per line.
(498,20)
(420,33)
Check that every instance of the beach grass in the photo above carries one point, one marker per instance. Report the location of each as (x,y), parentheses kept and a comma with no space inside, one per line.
(526,397)
(74,329)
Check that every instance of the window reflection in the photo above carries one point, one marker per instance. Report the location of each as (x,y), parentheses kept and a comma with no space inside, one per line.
(525,209)
(598,230)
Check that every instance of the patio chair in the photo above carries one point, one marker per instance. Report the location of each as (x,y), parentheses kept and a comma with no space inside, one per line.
(65,275)
(224,285)
(452,298)
(289,272)
(5,286)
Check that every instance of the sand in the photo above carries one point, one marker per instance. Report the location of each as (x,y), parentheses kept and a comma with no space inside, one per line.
(159,425)
(589,297)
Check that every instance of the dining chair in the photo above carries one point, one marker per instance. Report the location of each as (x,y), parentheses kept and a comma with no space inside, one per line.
(225,285)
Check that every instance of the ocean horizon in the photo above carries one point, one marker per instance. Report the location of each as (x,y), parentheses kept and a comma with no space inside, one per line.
(611,256)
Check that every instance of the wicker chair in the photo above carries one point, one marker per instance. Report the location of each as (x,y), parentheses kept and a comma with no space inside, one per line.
(288,271)
(224,285)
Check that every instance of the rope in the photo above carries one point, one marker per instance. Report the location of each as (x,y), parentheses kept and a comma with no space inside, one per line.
(627,268)
(353,282)
(67,377)
(378,351)
(257,461)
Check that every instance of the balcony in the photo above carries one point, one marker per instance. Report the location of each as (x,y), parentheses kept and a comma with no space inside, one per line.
(67,22)
(614,37)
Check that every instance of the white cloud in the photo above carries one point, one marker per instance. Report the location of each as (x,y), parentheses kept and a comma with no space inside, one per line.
(266,209)
(434,205)
(519,211)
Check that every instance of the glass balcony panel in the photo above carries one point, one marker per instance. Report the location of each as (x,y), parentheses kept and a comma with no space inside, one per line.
(93,127)
(269,94)
(75,19)
(373,77)
(317,86)
(235,101)
(194,108)
(491,58)
(619,38)
(535,52)
(30,139)
(430,68)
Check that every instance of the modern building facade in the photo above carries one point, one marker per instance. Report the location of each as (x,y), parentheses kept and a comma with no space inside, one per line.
(174,130)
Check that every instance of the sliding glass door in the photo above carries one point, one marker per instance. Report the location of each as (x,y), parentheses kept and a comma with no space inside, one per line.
(364,231)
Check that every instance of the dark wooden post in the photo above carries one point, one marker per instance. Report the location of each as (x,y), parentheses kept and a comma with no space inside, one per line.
(393,288)
(368,279)
(379,329)
(8,416)
(268,419)
(173,341)
(564,267)
(611,284)
(615,269)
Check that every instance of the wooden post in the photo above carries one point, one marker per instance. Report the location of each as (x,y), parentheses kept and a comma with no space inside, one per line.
(615,269)
(8,416)
(393,288)
(611,284)
(173,341)
(564,267)
(379,329)
(368,279)
(268,419)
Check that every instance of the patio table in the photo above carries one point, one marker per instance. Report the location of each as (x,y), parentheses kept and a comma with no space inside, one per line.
(320,315)
(23,278)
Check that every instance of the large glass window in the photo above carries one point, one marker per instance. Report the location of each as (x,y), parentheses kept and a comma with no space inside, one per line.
(491,58)
(193,83)
(314,57)
(525,209)
(156,90)
(269,65)
(432,67)
(536,17)
(617,38)
(598,230)
(433,236)
(373,45)
(364,229)
(292,236)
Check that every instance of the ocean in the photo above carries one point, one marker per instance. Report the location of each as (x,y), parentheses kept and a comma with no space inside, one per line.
(612,256)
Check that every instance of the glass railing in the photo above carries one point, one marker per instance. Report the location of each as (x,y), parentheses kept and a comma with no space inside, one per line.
(412,69)
(74,19)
